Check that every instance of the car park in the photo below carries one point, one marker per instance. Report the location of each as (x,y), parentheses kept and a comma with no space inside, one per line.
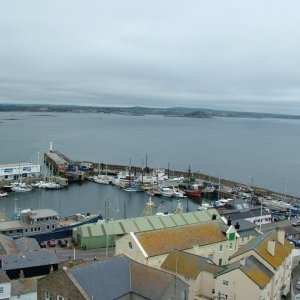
(51,243)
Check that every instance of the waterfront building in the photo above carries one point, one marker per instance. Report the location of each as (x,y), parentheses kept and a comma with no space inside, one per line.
(105,233)
(19,171)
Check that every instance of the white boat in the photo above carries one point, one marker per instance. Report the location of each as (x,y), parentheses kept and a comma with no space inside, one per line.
(173,181)
(47,185)
(21,188)
(102,179)
(166,192)
(178,193)
(3,194)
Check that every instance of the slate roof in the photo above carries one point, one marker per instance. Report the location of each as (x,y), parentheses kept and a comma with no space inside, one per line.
(7,245)
(238,214)
(23,286)
(164,241)
(3,277)
(25,244)
(260,246)
(252,268)
(189,265)
(112,278)
(246,228)
(28,259)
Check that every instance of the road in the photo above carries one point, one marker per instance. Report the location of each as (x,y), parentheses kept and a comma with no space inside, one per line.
(65,254)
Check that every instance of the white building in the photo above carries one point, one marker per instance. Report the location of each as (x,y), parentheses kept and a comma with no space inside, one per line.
(21,170)
(5,286)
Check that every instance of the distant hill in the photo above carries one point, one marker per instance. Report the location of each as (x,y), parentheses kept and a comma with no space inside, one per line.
(139,111)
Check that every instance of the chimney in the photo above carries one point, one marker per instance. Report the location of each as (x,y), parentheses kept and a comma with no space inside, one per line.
(229,221)
(271,247)
(21,275)
(281,236)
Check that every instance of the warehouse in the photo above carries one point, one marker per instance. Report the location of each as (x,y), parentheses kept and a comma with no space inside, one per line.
(104,233)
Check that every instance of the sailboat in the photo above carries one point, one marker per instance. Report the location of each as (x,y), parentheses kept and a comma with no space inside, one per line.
(19,186)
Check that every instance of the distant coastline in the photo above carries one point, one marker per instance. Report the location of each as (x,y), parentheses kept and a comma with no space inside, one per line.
(184,112)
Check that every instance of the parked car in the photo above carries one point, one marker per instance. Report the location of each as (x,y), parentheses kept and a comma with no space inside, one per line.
(43,244)
(295,224)
(51,243)
(295,242)
(62,243)
(298,284)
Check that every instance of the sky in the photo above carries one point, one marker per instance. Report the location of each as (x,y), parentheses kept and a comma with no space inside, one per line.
(232,55)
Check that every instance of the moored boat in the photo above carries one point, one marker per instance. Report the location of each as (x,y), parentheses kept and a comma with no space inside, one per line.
(3,194)
(43,224)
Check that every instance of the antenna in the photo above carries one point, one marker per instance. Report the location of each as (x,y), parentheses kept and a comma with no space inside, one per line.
(51,147)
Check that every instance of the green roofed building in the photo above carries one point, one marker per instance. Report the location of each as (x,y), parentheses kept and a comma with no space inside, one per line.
(104,233)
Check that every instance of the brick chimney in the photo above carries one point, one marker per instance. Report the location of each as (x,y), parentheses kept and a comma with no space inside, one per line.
(271,247)
(281,236)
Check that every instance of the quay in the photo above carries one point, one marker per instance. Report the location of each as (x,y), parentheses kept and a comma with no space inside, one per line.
(78,171)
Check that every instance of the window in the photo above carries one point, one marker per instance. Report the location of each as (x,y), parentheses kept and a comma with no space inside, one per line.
(130,245)
(220,262)
(223,296)
(183,295)
(225,282)
(47,295)
(1,289)
(60,297)
(221,248)
(230,246)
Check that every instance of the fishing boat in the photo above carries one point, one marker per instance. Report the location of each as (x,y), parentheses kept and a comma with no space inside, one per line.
(43,224)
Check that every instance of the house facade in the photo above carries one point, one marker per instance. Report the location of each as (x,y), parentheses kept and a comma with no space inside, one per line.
(211,239)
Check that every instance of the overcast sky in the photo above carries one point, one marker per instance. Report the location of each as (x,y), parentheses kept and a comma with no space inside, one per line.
(234,55)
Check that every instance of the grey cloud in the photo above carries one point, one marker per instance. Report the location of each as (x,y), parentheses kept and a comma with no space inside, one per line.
(155,53)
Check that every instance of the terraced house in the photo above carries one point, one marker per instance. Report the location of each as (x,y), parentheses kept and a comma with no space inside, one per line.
(212,239)
(210,258)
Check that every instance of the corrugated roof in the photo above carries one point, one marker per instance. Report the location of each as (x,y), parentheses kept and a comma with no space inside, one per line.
(143,224)
(260,246)
(129,226)
(156,222)
(189,265)
(112,229)
(165,240)
(178,220)
(253,268)
(147,223)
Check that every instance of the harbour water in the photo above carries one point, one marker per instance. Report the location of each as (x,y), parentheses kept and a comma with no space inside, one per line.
(259,151)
